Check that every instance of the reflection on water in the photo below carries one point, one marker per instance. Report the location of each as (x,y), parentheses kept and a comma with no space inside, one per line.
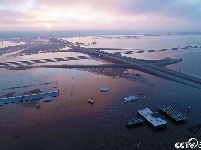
(69,122)
(143,42)
(70,117)
(191,63)
(30,104)
(22,81)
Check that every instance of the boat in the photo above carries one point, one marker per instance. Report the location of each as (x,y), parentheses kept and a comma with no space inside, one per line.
(90,101)
(105,89)
(152,118)
(134,122)
(130,98)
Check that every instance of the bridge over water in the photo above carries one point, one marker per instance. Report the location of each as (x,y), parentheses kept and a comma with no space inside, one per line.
(145,66)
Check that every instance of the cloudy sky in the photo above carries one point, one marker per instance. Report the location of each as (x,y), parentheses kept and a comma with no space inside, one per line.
(142,15)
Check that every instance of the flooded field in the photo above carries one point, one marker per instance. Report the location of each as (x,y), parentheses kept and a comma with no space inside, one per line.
(4,44)
(70,122)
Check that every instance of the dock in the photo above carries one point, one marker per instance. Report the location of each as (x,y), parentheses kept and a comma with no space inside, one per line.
(22,98)
(152,118)
(173,113)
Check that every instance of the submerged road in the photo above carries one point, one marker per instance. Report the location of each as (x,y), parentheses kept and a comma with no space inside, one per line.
(154,67)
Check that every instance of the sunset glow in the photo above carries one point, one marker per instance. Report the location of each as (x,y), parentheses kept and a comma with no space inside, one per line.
(98,14)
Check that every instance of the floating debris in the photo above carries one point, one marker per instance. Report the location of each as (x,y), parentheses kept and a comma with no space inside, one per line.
(130,98)
(173,113)
(90,101)
(133,122)
(105,89)
(152,118)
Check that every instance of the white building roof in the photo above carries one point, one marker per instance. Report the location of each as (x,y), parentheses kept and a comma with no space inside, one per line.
(105,89)
(153,119)
(130,98)
(47,98)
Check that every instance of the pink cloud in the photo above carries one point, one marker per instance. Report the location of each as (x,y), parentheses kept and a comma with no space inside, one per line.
(97,14)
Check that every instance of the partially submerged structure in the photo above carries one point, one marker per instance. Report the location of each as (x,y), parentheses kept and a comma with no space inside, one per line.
(152,118)
(47,98)
(130,98)
(90,101)
(28,97)
(134,122)
(105,89)
(173,113)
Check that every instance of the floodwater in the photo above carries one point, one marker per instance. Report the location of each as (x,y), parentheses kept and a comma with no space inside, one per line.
(69,122)
(4,44)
